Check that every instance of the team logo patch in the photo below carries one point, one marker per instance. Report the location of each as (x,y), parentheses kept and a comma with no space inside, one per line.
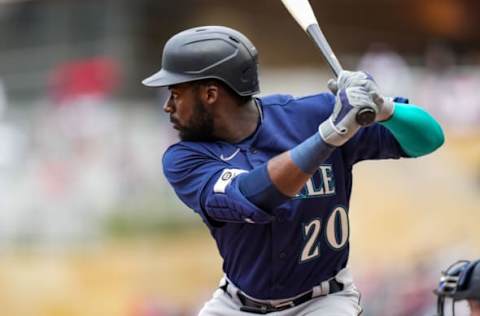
(225,178)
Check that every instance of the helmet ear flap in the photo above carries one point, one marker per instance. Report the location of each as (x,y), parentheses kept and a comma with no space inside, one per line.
(465,275)
(450,277)
(459,281)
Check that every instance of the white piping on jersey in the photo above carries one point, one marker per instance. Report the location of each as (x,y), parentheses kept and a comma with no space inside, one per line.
(231,156)
(259,110)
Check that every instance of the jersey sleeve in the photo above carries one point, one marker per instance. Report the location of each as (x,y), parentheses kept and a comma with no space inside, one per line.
(370,143)
(209,187)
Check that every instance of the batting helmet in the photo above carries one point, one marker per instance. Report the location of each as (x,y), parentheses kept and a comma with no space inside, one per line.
(461,281)
(209,52)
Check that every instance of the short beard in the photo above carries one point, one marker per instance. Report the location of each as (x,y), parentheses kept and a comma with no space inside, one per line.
(200,126)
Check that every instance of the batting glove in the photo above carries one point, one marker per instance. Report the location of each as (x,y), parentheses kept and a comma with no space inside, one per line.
(342,124)
(347,79)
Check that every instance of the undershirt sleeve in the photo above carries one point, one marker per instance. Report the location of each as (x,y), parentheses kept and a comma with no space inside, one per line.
(417,132)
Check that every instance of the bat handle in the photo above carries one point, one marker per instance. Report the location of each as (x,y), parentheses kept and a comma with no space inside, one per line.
(366,115)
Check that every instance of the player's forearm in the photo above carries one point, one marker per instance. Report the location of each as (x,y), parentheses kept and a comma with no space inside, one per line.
(417,132)
(290,170)
(285,175)
(282,177)
(273,183)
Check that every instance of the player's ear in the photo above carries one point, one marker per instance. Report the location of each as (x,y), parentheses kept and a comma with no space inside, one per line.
(210,93)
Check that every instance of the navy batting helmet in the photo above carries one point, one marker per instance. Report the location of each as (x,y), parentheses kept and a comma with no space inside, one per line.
(209,52)
(461,281)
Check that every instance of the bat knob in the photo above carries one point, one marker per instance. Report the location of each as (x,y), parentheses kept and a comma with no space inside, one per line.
(366,116)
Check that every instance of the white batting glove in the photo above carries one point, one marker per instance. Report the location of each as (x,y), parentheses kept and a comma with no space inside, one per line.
(347,79)
(342,124)
(352,79)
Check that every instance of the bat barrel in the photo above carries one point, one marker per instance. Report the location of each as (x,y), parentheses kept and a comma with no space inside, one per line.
(302,12)
(319,39)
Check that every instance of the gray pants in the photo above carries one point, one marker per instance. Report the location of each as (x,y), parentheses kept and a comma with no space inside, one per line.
(343,303)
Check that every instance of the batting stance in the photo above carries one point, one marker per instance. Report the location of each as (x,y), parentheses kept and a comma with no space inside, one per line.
(461,281)
(271,177)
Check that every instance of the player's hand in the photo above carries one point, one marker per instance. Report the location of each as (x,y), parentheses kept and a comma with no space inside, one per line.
(342,124)
(348,79)
(352,79)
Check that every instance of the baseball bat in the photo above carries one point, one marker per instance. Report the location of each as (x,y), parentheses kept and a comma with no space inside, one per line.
(302,12)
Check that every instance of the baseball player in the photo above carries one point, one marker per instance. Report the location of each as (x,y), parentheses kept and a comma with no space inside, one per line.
(271,177)
(461,281)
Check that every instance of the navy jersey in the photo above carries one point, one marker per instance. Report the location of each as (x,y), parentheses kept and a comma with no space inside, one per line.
(304,241)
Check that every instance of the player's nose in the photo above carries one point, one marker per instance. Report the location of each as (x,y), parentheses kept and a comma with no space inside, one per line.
(165,97)
(168,106)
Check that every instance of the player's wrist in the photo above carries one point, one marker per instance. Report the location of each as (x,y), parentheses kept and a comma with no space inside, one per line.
(388,111)
(337,135)
(342,123)
(308,155)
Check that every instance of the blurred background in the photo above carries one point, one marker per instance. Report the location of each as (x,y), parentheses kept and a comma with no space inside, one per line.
(88,224)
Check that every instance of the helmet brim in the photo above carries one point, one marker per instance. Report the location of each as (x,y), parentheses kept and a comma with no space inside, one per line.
(164,78)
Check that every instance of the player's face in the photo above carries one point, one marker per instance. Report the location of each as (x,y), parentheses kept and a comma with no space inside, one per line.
(188,114)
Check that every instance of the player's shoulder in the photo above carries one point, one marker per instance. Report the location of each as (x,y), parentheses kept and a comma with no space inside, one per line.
(185,154)
(179,153)
(314,102)
(183,149)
